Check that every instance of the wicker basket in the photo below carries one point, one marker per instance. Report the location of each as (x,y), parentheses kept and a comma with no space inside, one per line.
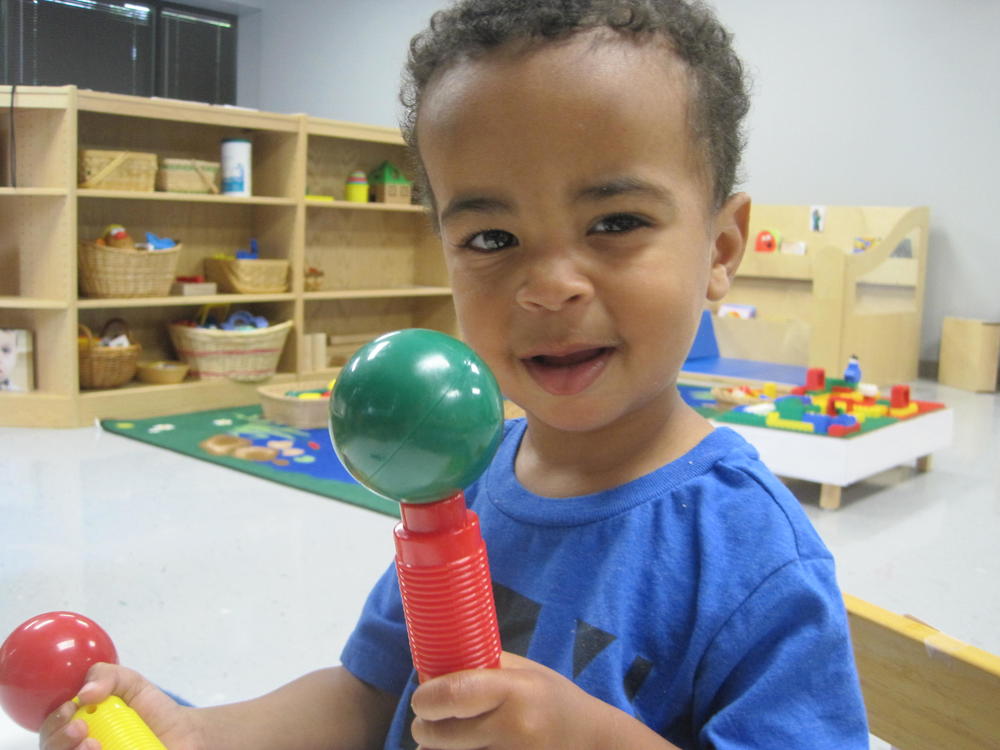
(248,276)
(106,366)
(124,272)
(117,170)
(188,176)
(246,356)
(161,372)
(306,414)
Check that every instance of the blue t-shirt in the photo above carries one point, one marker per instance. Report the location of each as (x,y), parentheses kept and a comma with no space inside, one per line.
(697,598)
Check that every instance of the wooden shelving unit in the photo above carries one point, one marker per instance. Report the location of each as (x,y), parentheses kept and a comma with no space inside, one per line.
(382,265)
(818,309)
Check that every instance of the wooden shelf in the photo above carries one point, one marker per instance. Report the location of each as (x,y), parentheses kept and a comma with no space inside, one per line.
(412,291)
(390,263)
(177,110)
(179,301)
(31,303)
(34,192)
(312,202)
(255,200)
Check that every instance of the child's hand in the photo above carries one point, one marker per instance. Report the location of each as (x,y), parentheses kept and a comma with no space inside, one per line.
(170,722)
(522,705)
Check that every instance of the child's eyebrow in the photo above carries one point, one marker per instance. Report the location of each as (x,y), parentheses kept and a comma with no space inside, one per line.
(626,186)
(474,204)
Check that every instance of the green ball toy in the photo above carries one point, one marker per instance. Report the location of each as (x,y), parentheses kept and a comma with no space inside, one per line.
(416,416)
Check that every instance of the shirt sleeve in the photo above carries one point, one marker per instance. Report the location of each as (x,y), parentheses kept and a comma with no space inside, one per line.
(378,651)
(781,672)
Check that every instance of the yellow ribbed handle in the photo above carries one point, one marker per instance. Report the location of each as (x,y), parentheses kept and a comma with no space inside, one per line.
(117,726)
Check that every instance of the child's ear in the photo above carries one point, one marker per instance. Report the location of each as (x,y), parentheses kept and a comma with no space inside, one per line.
(730,229)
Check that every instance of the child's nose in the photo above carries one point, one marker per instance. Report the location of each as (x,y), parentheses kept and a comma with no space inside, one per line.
(554,282)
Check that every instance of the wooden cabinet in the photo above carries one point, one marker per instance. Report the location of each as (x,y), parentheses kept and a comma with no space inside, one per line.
(382,266)
(820,308)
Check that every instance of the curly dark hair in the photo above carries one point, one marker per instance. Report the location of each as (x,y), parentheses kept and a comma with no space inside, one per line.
(720,97)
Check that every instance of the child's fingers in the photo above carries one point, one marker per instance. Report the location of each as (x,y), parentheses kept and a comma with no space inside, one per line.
(58,732)
(101,681)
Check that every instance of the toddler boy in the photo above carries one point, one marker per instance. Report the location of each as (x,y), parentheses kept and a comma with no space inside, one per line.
(656,586)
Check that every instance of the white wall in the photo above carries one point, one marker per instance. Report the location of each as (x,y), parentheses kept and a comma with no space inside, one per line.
(891,102)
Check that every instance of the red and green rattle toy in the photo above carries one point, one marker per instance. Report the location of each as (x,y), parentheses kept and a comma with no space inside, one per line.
(416,416)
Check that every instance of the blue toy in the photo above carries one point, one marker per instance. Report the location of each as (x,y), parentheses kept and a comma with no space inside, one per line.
(252,254)
(852,373)
(242,320)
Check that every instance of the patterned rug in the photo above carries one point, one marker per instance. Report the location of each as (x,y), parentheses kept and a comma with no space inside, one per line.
(241,438)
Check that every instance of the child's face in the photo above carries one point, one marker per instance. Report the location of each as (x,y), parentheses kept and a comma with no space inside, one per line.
(8,354)
(576,224)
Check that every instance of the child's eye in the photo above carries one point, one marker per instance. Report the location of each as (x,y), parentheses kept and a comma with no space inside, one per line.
(490,241)
(618,223)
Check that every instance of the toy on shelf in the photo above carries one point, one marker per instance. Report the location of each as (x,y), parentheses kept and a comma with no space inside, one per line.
(356,189)
(43,664)
(240,346)
(864,244)
(388,185)
(303,405)
(252,254)
(313,279)
(416,416)
(731,310)
(768,241)
(114,265)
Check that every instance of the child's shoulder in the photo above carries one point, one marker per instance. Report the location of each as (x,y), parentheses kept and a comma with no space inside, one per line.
(740,495)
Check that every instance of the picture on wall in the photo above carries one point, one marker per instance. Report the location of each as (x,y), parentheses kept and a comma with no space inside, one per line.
(17,360)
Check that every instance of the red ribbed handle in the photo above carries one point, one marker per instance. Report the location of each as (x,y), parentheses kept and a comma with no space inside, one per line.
(445,584)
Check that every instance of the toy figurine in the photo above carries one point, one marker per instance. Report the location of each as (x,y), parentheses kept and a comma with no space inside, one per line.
(852,373)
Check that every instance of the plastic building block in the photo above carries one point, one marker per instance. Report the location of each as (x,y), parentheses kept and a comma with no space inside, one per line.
(774,419)
(905,411)
(899,396)
(815,379)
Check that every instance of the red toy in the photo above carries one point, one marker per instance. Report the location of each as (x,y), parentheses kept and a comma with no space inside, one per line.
(43,664)
(768,241)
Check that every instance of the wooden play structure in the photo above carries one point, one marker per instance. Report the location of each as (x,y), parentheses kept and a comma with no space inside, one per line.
(819,308)
(924,690)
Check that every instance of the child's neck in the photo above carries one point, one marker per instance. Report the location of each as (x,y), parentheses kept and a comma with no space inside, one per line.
(558,463)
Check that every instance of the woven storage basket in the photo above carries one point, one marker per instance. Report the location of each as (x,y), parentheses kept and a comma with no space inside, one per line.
(306,414)
(106,366)
(248,276)
(188,176)
(247,356)
(117,170)
(123,272)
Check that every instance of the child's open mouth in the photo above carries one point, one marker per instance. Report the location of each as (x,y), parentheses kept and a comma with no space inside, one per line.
(568,374)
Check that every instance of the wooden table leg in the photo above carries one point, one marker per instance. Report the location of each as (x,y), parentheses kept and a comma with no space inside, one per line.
(829,496)
(924,463)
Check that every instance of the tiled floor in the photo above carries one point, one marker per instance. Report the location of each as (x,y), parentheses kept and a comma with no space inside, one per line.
(221,586)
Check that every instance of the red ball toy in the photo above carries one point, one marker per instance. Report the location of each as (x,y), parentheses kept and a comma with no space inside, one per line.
(44,663)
